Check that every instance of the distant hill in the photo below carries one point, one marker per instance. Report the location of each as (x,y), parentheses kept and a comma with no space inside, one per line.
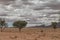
(58,25)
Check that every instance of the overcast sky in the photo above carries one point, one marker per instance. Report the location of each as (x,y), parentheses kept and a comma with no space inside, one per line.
(36,12)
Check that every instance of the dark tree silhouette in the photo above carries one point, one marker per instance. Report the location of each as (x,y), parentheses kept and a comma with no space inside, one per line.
(20,24)
(3,24)
(54,25)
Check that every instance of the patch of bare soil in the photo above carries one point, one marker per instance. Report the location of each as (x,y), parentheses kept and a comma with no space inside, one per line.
(30,34)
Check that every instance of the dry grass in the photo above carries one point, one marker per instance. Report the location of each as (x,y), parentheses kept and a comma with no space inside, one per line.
(30,34)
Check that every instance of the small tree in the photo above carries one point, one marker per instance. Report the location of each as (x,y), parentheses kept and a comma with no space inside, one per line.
(3,24)
(20,24)
(54,25)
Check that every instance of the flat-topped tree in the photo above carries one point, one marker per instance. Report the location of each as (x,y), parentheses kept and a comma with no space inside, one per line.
(20,24)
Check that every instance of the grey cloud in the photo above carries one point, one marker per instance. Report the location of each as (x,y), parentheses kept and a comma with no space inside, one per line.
(3,14)
(39,8)
(54,6)
(24,0)
(27,3)
(6,2)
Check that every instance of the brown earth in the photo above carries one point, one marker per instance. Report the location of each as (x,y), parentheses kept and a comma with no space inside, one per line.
(30,34)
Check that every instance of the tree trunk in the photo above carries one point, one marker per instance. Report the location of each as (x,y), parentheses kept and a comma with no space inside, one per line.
(1,29)
(19,29)
(54,28)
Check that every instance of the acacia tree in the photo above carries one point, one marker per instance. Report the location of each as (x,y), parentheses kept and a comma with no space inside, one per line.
(20,24)
(54,25)
(3,24)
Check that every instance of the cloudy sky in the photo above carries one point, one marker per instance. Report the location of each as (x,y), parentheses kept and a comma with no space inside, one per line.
(35,12)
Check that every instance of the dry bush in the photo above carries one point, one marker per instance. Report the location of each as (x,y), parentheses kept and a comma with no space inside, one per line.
(41,30)
(13,37)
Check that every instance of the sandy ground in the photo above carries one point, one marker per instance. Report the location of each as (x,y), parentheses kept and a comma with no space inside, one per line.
(30,34)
